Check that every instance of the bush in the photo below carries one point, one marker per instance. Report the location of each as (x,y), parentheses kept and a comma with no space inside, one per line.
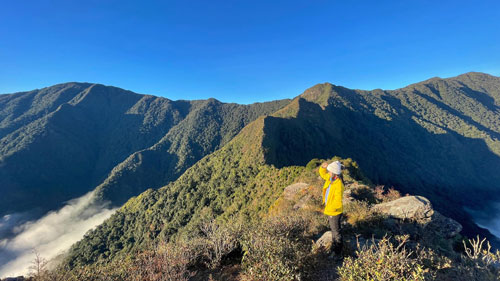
(358,212)
(165,262)
(392,194)
(382,195)
(364,193)
(313,164)
(479,262)
(276,249)
(218,241)
(383,261)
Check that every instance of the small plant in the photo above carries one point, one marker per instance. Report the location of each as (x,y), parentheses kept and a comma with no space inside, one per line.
(38,269)
(379,192)
(392,194)
(358,212)
(383,261)
(386,196)
(219,240)
(481,252)
(479,263)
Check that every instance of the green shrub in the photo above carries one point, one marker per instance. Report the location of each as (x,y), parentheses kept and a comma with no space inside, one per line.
(313,164)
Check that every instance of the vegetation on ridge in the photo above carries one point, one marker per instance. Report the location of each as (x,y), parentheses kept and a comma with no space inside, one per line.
(279,245)
(429,138)
(61,142)
(439,138)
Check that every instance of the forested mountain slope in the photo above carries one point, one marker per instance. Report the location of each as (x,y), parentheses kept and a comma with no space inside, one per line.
(438,138)
(204,130)
(61,142)
(232,183)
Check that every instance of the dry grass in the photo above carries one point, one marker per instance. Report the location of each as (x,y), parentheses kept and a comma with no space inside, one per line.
(383,261)
(358,212)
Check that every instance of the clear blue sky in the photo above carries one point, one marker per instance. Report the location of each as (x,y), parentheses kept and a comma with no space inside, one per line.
(243,51)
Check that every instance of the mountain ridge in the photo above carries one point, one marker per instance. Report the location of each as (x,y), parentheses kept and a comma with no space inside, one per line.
(372,127)
(437,138)
(84,131)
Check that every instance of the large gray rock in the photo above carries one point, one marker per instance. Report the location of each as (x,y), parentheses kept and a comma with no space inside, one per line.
(416,208)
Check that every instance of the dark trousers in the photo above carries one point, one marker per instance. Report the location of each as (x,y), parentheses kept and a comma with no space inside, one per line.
(336,236)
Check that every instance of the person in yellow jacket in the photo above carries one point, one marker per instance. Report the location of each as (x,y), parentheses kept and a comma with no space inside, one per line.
(333,191)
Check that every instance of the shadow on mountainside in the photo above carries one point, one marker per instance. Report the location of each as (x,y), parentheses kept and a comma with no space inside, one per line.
(443,167)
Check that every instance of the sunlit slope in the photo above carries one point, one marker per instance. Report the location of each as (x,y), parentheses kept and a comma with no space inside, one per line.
(421,138)
(234,181)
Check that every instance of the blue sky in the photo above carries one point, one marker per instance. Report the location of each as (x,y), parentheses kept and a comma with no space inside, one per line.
(243,51)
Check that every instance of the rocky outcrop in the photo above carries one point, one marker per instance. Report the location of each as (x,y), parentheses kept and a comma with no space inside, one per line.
(297,193)
(417,208)
(444,225)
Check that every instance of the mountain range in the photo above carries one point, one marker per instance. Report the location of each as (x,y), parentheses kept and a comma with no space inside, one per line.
(63,141)
(188,160)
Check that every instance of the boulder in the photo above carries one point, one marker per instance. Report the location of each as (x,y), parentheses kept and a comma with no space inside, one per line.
(416,208)
(324,243)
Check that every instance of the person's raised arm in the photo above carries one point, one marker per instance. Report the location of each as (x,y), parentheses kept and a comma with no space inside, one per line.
(322,171)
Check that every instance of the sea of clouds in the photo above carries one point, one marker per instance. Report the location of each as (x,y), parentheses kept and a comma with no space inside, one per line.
(488,218)
(50,236)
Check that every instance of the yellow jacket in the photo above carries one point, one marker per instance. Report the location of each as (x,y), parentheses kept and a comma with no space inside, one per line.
(333,191)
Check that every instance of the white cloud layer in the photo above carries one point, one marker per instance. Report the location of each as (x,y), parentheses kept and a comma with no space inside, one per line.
(485,219)
(50,236)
